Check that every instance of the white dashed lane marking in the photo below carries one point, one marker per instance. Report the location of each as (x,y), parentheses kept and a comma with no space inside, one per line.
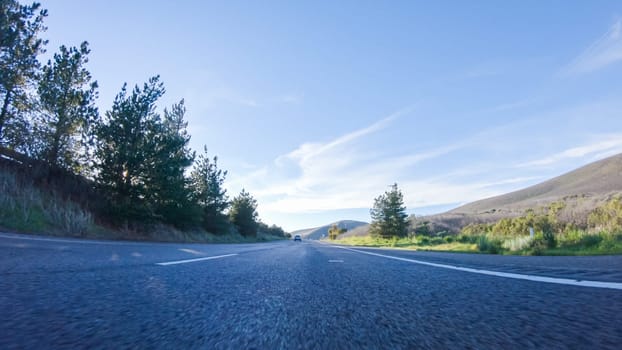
(167,263)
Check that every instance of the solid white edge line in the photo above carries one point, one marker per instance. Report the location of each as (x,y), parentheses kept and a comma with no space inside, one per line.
(566,281)
(194,260)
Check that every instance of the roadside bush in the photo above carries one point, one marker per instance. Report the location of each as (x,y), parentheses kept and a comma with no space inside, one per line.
(549,238)
(422,229)
(23,206)
(519,243)
(68,216)
(589,240)
(449,239)
(541,242)
(537,248)
(608,242)
(476,229)
(607,217)
(570,238)
(436,241)
(463,238)
(17,198)
(489,245)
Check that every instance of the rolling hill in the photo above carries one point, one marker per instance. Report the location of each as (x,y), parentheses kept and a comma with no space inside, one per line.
(581,190)
(595,179)
(318,232)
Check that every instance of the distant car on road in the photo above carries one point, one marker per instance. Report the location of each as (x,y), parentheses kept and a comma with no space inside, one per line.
(297,238)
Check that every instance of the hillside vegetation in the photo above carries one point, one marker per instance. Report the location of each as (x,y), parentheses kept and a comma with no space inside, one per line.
(535,233)
(581,191)
(26,207)
(576,213)
(66,168)
(68,205)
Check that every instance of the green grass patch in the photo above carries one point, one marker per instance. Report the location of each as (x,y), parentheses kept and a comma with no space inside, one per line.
(573,243)
(455,247)
(603,243)
(415,243)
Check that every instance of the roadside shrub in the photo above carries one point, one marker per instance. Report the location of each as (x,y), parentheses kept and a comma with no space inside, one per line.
(541,242)
(24,206)
(590,240)
(68,216)
(449,239)
(489,245)
(570,238)
(549,238)
(607,217)
(20,202)
(476,229)
(424,240)
(608,243)
(537,248)
(467,238)
(422,229)
(436,241)
(517,243)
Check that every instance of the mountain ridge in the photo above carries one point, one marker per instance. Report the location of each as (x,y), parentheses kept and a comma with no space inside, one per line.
(320,231)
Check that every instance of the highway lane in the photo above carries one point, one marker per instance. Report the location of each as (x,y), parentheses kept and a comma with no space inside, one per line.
(75,294)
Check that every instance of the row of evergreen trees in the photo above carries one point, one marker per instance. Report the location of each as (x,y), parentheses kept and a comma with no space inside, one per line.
(136,156)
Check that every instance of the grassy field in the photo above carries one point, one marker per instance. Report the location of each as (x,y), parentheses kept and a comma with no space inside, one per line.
(574,243)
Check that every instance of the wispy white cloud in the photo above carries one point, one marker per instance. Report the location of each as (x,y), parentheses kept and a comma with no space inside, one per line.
(309,150)
(601,53)
(342,173)
(605,145)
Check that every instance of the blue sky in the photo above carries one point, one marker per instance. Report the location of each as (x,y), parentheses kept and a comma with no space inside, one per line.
(316,107)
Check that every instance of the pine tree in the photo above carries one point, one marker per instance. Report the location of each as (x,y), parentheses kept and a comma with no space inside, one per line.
(20,45)
(67,101)
(127,140)
(209,193)
(243,213)
(389,215)
(169,189)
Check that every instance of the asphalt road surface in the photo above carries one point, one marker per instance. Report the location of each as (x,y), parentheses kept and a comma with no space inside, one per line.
(63,293)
